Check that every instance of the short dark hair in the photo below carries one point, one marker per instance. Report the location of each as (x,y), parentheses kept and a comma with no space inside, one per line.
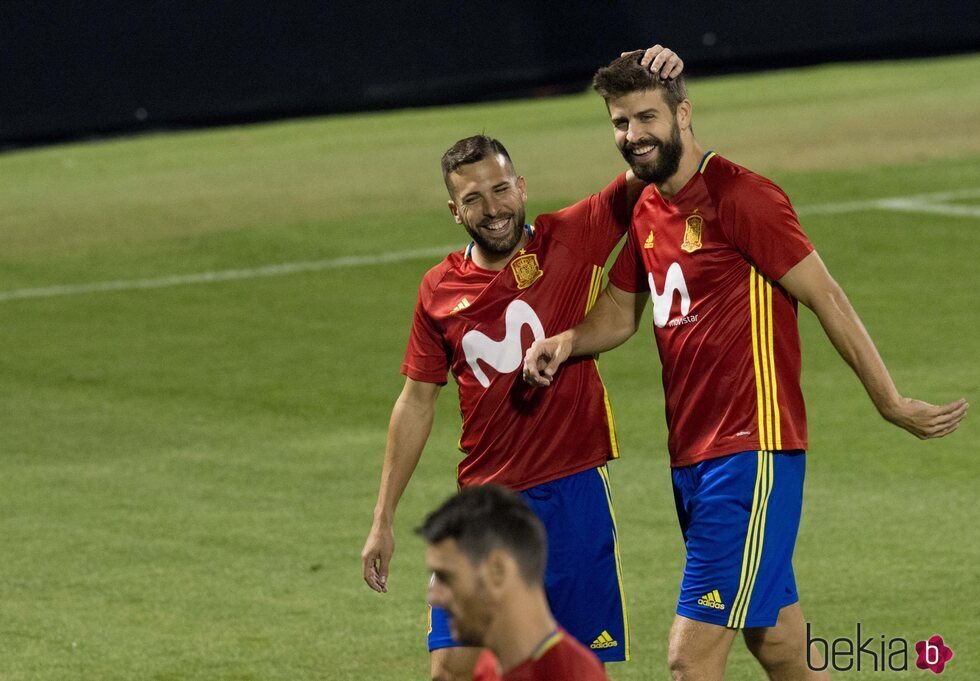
(624,75)
(487,517)
(470,150)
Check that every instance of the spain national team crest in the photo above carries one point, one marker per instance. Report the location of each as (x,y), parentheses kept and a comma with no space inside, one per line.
(692,233)
(526,270)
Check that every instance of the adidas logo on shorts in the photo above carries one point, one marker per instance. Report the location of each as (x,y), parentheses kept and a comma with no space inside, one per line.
(604,641)
(712,599)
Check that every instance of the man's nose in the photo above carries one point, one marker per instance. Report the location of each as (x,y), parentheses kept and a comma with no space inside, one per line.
(633,134)
(491,207)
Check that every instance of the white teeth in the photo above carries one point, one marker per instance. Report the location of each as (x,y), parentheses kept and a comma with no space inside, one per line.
(639,151)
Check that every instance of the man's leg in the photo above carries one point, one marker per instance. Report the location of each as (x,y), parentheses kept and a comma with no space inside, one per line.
(697,651)
(781,650)
(453,664)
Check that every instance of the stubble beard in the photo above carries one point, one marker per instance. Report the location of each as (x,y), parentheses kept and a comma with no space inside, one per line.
(502,245)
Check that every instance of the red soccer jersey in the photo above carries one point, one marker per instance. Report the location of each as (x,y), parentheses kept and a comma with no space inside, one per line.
(725,330)
(560,658)
(478,324)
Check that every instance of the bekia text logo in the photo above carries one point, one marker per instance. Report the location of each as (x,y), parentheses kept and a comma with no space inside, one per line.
(877,653)
(933,654)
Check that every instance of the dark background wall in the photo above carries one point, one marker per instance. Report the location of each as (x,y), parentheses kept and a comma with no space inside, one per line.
(71,69)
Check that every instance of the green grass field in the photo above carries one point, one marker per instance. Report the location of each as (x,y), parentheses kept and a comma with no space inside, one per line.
(187,473)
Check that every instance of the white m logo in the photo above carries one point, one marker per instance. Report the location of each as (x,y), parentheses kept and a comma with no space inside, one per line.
(506,355)
(662,301)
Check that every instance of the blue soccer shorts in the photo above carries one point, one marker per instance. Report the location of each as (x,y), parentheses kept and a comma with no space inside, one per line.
(739,515)
(583,575)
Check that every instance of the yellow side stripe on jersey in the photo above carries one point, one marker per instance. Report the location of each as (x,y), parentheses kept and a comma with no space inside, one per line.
(604,474)
(764,358)
(764,361)
(595,285)
(759,393)
(613,441)
(754,540)
(772,369)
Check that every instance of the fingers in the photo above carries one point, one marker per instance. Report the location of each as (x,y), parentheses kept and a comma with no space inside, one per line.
(383,562)
(946,419)
(662,61)
(537,361)
(927,421)
(666,63)
(375,559)
(371,576)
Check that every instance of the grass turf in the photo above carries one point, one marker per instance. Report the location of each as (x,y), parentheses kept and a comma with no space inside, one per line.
(188,473)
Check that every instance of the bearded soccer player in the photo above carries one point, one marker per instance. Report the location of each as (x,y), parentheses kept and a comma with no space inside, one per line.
(476,313)
(486,551)
(724,259)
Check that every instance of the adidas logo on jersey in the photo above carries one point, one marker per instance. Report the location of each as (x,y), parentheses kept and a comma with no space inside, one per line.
(712,599)
(461,305)
(604,640)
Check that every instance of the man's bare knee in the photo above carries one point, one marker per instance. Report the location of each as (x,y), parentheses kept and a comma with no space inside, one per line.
(697,650)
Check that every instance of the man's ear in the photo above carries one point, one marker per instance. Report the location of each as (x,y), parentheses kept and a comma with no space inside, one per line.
(498,569)
(455,211)
(522,185)
(684,111)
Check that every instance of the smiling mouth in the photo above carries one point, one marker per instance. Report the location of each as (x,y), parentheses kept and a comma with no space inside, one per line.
(642,153)
(498,226)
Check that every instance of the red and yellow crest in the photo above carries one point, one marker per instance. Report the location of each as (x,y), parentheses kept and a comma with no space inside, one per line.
(526,270)
(692,233)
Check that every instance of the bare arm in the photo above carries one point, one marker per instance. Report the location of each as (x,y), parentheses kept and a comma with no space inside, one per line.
(810,283)
(614,318)
(408,430)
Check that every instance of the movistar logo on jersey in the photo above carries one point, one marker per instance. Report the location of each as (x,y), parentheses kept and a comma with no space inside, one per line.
(504,355)
(662,302)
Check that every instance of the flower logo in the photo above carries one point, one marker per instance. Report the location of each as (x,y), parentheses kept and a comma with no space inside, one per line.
(933,654)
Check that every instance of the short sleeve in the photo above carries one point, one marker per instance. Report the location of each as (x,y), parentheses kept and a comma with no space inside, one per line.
(594,225)
(764,227)
(629,272)
(425,357)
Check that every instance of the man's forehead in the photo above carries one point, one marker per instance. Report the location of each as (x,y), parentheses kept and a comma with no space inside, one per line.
(495,167)
(444,554)
(640,100)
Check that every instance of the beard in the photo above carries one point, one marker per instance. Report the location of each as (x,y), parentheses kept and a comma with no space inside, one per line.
(668,159)
(501,244)
(471,628)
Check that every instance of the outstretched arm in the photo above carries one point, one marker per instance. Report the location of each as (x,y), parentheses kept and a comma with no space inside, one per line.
(614,318)
(810,283)
(408,430)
